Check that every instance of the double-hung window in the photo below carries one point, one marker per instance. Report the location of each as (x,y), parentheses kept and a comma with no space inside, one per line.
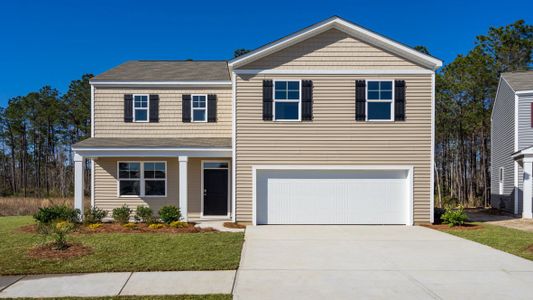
(380,100)
(287,100)
(199,108)
(140,108)
(142,179)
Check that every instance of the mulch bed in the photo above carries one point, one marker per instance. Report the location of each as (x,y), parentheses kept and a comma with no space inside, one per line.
(458,228)
(47,251)
(234,225)
(118,228)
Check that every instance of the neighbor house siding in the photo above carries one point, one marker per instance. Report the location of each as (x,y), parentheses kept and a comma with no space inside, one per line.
(334,137)
(109,114)
(332,49)
(503,146)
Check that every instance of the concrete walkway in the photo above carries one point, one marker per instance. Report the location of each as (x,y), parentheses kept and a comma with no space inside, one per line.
(113,284)
(375,262)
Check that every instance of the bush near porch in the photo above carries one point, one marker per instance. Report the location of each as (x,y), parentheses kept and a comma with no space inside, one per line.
(116,252)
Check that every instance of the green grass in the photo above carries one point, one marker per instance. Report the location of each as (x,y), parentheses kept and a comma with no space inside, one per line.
(179,297)
(121,252)
(510,240)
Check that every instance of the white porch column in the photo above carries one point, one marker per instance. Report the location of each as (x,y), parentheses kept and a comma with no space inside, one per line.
(78,182)
(183,161)
(528,189)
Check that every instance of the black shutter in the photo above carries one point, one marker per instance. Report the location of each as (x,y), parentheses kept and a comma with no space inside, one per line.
(307,100)
(360,99)
(211,108)
(399,100)
(128,108)
(267,100)
(154,108)
(186,108)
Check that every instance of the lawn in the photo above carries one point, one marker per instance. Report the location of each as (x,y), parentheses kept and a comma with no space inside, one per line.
(116,252)
(506,239)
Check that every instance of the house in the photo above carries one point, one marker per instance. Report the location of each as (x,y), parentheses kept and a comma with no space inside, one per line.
(333,124)
(512,144)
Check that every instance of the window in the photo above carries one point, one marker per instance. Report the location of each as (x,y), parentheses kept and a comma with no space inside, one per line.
(142,179)
(379,103)
(287,100)
(129,176)
(199,108)
(140,108)
(500,175)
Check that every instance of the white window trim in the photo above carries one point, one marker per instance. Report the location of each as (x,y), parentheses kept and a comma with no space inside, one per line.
(299,100)
(142,179)
(202,186)
(501,178)
(199,108)
(147,108)
(380,101)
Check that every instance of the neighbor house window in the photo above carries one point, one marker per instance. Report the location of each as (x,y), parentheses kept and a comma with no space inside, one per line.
(142,178)
(140,108)
(199,108)
(129,176)
(287,100)
(500,176)
(379,100)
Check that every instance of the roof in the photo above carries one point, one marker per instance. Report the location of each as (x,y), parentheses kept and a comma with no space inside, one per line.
(350,28)
(167,143)
(519,81)
(166,70)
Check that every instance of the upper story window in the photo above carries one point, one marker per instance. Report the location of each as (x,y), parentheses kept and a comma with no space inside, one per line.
(379,101)
(287,98)
(199,108)
(140,108)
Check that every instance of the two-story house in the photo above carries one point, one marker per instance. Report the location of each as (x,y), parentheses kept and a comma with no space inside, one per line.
(512,144)
(333,124)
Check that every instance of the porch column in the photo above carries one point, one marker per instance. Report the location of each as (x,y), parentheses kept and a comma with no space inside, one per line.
(182,186)
(528,189)
(78,182)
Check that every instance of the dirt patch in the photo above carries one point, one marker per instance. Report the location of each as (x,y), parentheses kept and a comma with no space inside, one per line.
(530,248)
(458,228)
(234,225)
(48,251)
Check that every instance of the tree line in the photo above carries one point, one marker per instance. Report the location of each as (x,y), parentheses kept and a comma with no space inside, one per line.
(37,130)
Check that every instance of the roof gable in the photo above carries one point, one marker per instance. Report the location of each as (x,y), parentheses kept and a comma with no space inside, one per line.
(349,28)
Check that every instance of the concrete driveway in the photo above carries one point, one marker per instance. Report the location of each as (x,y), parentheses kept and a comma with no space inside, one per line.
(375,262)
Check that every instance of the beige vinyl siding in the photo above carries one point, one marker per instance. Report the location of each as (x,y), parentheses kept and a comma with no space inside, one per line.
(332,49)
(334,137)
(109,114)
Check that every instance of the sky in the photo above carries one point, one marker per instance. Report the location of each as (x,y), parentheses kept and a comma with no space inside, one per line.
(53,42)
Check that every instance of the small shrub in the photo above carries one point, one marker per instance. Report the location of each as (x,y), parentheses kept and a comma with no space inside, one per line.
(179,224)
(48,215)
(130,225)
(156,226)
(144,214)
(454,217)
(94,215)
(169,214)
(122,214)
(59,232)
(94,226)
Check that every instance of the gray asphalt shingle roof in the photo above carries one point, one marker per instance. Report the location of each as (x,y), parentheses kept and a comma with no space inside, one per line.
(167,70)
(153,143)
(519,81)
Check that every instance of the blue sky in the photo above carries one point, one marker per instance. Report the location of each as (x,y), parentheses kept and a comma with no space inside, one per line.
(53,42)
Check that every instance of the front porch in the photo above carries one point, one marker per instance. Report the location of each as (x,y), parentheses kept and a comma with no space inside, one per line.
(193,174)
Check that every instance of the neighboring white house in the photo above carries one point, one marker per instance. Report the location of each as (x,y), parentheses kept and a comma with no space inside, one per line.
(512,144)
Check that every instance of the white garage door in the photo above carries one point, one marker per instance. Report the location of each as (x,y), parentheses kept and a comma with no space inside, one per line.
(332,196)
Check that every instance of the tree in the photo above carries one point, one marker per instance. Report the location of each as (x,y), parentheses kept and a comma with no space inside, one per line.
(239,52)
(422,49)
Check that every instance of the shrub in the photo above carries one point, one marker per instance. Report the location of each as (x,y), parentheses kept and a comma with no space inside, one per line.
(179,224)
(169,214)
(59,232)
(94,226)
(454,217)
(94,215)
(130,225)
(144,214)
(156,226)
(122,214)
(48,215)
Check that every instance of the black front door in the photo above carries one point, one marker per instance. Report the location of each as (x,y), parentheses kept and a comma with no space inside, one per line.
(215,192)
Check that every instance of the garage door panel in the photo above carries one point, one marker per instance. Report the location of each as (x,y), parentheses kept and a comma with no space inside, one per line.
(331,197)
